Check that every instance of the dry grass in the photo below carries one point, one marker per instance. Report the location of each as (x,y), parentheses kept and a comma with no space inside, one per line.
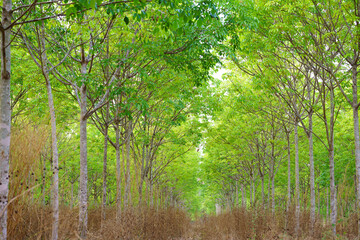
(259,224)
(34,223)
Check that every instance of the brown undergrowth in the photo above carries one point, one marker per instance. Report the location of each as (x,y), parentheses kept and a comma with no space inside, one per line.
(34,222)
(146,223)
(260,224)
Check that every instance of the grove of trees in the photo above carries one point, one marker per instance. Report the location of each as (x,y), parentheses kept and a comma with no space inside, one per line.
(117,106)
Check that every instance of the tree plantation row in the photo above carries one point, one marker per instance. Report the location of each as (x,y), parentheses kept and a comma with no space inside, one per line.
(287,132)
(99,90)
(111,120)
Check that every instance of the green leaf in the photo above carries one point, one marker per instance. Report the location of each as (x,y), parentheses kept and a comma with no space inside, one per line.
(126,20)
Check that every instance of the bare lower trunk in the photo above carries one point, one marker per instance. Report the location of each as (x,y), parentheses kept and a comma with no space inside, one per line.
(83,203)
(55,155)
(311,162)
(297,182)
(333,200)
(273,195)
(5,115)
(262,191)
(55,163)
(128,180)
(118,173)
(250,192)
(357,162)
(242,196)
(72,196)
(357,141)
(253,192)
(327,205)
(151,195)
(236,194)
(103,209)
(43,182)
(288,202)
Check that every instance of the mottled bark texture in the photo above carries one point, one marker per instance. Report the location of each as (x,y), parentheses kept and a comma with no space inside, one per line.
(5,115)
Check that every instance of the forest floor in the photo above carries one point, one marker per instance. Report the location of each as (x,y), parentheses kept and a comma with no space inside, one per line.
(33,222)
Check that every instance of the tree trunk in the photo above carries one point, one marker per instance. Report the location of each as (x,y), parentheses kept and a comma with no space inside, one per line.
(55,155)
(103,209)
(311,162)
(5,115)
(242,196)
(273,194)
(55,163)
(288,202)
(128,180)
(43,182)
(297,181)
(262,191)
(357,140)
(236,194)
(83,201)
(333,201)
(118,172)
(250,192)
(72,196)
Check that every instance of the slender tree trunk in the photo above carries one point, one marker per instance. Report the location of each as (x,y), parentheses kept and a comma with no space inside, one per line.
(72,196)
(273,195)
(103,209)
(5,115)
(297,181)
(269,191)
(262,190)
(254,191)
(242,196)
(288,202)
(55,163)
(357,140)
(83,201)
(128,179)
(250,191)
(142,172)
(151,195)
(333,201)
(43,186)
(54,147)
(236,194)
(118,172)
(311,162)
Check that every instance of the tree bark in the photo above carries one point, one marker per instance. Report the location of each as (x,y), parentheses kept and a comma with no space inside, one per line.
(311,162)
(357,140)
(333,201)
(55,163)
(242,196)
(118,172)
(83,201)
(104,192)
(54,147)
(297,181)
(128,180)
(288,202)
(273,194)
(5,115)
(236,194)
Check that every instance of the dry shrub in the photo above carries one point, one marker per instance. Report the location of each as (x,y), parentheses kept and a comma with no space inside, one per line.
(27,143)
(134,224)
(348,227)
(237,224)
(145,223)
(259,224)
